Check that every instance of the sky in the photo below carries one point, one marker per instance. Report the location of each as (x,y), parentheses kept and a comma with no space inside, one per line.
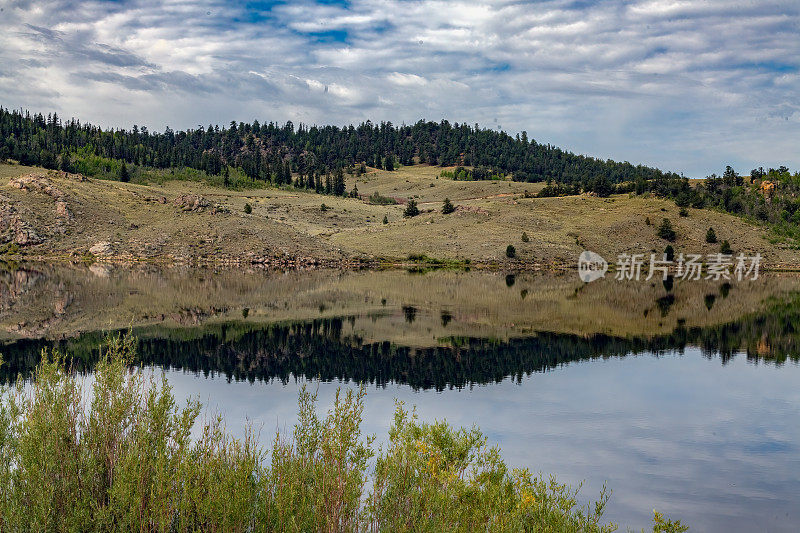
(686,85)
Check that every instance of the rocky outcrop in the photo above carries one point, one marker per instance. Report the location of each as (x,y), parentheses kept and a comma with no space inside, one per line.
(101,248)
(13,228)
(196,203)
(42,184)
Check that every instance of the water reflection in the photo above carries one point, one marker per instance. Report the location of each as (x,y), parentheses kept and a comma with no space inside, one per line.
(421,345)
(683,396)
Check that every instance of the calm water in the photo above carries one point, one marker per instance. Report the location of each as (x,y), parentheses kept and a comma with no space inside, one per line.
(684,398)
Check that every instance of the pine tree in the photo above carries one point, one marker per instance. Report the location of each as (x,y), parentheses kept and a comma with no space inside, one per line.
(447,207)
(665,230)
(711,236)
(123,173)
(338,183)
(411,209)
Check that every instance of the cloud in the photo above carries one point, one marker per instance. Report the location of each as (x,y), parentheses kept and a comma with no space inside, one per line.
(686,85)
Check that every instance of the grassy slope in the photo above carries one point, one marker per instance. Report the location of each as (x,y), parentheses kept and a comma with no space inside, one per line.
(493,214)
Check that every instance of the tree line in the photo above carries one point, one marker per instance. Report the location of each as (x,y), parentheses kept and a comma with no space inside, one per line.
(315,155)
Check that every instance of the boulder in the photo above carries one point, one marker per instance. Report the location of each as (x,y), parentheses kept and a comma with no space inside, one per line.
(101,248)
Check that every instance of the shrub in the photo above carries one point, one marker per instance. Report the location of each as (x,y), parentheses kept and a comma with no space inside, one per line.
(385,219)
(447,207)
(647,221)
(669,252)
(377,199)
(683,212)
(665,230)
(324,207)
(130,460)
(511,252)
(248,209)
(411,209)
(711,236)
(525,237)
(725,248)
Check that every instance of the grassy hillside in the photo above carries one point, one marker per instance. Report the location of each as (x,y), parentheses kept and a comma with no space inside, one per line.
(192,221)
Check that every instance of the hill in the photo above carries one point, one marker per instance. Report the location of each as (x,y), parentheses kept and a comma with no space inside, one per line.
(56,215)
(281,154)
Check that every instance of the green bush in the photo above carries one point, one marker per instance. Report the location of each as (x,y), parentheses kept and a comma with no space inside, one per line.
(525,237)
(725,248)
(711,236)
(377,198)
(511,252)
(127,461)
(248,209)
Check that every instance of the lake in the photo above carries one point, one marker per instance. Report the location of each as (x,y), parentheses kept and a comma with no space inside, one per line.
(681,396)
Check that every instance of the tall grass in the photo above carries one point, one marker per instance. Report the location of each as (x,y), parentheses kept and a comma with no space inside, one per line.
(122,458)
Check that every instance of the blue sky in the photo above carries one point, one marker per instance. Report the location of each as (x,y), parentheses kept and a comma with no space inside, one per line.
(687,85)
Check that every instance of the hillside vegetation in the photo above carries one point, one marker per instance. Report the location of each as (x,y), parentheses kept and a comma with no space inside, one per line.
(56,215)
(309,155)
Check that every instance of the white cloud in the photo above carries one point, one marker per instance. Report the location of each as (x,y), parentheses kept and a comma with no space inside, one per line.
(689,86)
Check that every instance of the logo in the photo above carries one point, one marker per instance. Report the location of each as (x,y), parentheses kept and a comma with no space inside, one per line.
(591,266)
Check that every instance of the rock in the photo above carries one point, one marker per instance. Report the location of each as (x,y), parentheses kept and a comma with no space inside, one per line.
(191,202)
(101,248)
(13,228)
(101,271)
(62,211)
(37,183)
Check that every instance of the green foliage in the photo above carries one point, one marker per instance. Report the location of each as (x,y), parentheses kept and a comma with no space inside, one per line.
(324,207)
(447,207)
(669,252)
(10,248)
(377,198)
(128,461)
(525,237)
(665,525)
(273,152)
(559,189)
(665,230)
(683,212)
(411,209)
(725,248)
(85,161)
(511,252)
(248,209)
(385,219)
(711,236)
(123,173)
